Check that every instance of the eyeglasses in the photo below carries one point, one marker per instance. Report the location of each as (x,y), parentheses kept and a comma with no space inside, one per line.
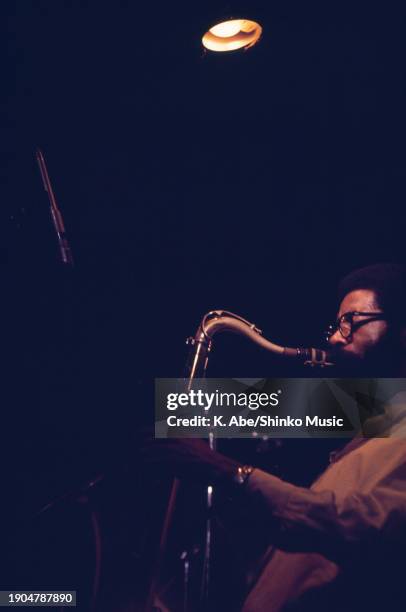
(345,324)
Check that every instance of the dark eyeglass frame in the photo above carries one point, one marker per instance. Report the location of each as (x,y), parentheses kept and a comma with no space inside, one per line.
(349,318)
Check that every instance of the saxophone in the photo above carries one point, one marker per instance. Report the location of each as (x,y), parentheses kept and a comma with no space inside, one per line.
(201,343)
(222,320)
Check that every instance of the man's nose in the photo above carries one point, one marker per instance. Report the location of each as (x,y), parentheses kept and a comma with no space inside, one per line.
(337,338)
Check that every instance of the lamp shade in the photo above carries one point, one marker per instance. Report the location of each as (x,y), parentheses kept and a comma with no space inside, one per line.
(231,35)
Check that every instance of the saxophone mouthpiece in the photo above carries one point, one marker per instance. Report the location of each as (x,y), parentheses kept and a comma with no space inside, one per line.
(311,356)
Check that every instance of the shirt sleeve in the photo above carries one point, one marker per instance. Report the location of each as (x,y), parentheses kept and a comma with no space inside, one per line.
(338,527)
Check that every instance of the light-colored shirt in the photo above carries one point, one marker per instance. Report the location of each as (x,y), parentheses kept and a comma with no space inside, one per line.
(340,545)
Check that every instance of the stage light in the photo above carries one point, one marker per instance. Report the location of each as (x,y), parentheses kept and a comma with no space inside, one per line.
(232,35)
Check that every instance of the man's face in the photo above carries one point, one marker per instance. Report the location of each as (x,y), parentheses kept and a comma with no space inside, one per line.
(368,340)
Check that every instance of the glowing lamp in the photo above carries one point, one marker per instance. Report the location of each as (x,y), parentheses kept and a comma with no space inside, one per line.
(231,35)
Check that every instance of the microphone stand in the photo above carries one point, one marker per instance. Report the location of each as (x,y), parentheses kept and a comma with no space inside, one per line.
(64,248)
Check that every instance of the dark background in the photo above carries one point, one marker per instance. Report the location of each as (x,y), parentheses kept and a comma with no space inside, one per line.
(188,181)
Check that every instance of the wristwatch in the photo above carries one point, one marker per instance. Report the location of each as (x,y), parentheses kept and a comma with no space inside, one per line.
(243,473)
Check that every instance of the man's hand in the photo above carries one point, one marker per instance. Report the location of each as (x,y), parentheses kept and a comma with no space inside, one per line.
(189,458)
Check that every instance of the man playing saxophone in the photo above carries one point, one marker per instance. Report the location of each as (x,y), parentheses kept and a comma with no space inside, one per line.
(339,545)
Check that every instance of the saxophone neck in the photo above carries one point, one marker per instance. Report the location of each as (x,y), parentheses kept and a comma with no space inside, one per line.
(217,321)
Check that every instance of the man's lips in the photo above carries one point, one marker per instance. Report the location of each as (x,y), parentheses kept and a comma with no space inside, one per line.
(344,355)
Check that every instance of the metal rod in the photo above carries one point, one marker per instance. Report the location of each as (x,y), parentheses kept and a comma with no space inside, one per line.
(57,219)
